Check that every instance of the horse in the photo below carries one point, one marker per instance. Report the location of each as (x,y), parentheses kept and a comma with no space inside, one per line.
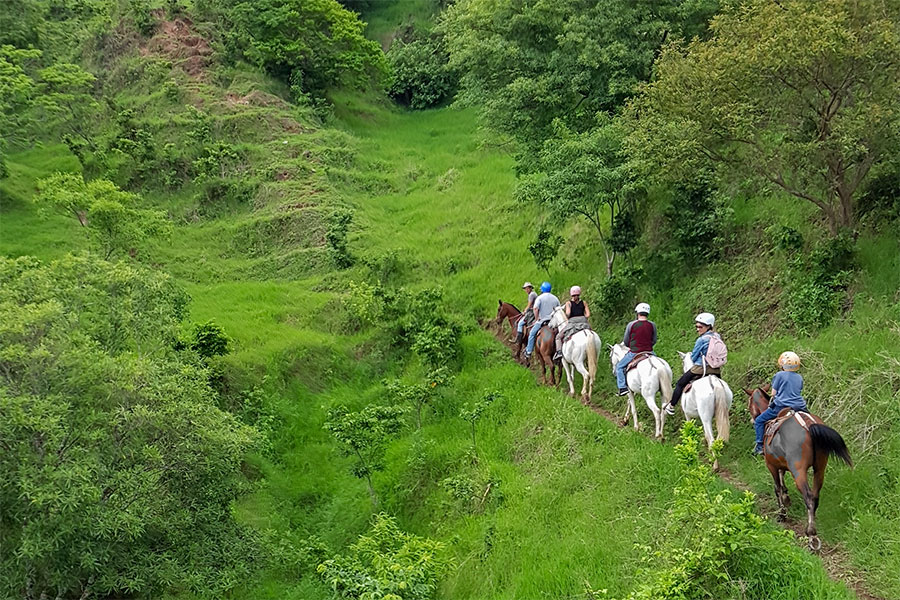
(584,344)
(796,448)
(650,376)
(709,396)
(513,315)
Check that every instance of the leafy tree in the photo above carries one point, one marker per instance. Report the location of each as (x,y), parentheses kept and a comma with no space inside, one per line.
(17,90)
(105,211)
(313,44)
(529,63)
(419,394)
(473,415)
(66,93)
(119,472)
(799,93)
(544,249)
(420,75)
(583,175)
(387,563)
(364,435)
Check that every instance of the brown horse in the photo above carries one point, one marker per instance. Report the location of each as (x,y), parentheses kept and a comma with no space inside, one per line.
(796,448)
(513,315)
(545,348)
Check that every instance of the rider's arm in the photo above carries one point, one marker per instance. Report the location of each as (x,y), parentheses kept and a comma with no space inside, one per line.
(626,341)
(587,311)
(568,309)
(537,315)
(655,336)
(699,350)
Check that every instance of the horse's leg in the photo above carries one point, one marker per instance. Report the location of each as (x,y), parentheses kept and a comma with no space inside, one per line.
(818,480)
(801,478)
(632,409)
(579,365)
(570,376)
(650,399)
(778,479)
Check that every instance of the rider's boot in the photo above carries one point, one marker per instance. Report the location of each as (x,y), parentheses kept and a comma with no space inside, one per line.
(622,392)
(670,410)
(758,450)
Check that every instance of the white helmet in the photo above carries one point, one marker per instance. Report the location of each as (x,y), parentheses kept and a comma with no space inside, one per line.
(575,291)
(643,307)
(527,284)
(706,319)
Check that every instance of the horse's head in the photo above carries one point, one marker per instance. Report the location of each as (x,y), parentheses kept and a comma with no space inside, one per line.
(616,352)
(758,400)
(505,310)
(686,361)
(558,317)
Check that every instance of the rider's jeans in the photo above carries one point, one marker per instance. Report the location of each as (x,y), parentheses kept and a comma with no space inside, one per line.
(620,369)
(760,422)
(531,336)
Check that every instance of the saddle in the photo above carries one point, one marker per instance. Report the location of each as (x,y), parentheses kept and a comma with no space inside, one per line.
(805,419)
(572,329)
(687,388)
(637,359)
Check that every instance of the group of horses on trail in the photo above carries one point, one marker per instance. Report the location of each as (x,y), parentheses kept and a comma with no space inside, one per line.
(794,441)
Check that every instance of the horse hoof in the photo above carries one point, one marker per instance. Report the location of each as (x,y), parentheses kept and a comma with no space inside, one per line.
(815,544)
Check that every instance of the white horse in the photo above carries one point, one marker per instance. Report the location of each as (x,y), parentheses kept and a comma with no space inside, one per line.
(650,376)
(709,396)
(584,344)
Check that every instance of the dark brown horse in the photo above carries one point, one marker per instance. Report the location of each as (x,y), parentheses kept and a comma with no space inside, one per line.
(513,315)
(796,448)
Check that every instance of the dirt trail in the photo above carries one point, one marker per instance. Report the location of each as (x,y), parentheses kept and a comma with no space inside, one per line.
(837,562)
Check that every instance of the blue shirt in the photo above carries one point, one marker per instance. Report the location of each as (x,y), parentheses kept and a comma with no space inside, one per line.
(700,348)
(788,386)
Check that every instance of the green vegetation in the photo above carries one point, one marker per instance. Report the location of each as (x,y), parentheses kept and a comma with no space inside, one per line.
(276,309)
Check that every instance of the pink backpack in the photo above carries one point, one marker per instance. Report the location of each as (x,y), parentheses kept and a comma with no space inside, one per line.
(716,353)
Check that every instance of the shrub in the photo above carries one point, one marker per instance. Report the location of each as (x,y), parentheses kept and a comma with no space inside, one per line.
(209,339)
(815,290)
(613,295)
(336,238)
(698,222)
(387,563)
(420,76)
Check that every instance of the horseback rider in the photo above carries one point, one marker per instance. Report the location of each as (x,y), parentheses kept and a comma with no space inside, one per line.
(543,310)
(577,311)
(640,336)
(527,314)
(787,386)
(704,322)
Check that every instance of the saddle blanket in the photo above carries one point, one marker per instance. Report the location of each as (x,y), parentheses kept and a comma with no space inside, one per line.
(637,359)
(805,419)
(572,329)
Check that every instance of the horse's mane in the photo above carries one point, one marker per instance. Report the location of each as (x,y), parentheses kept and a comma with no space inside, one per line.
(516,308)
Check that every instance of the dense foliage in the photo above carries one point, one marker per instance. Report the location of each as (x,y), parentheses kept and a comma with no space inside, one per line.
(420,75)
(118,471)
(312,44)
(803,98)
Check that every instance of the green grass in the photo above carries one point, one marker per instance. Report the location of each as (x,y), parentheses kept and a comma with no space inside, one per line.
(570,495)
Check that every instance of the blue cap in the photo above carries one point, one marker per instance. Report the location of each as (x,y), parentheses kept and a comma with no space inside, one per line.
(545,287)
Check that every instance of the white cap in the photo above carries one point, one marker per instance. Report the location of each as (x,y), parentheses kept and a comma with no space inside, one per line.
(643,307)
(527,284)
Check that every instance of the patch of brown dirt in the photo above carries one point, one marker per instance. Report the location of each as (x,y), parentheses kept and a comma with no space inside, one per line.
(834,557)
(176,40)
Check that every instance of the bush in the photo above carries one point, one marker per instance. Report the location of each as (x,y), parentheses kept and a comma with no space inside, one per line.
(209,339)
(420,76)
(387,563)
(613,296)
(698,223)
(336,238)
(815,290)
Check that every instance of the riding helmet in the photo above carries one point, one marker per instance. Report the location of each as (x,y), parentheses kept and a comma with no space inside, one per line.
(705,319)
(545,287)
(643,307)
(789,361)
(575,291)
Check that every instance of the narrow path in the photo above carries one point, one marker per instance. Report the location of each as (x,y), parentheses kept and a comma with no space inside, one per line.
(836,561)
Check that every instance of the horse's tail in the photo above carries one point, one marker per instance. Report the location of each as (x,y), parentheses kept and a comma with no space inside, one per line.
(828,440)
(665,382)
(592,356)
(723,426)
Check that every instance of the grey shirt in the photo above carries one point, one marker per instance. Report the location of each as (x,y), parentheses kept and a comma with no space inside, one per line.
(545,304)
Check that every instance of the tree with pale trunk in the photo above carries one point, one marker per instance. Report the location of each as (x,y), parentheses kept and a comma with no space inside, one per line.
(803,95)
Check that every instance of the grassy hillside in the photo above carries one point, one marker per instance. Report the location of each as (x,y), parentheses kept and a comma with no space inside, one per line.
(555,501)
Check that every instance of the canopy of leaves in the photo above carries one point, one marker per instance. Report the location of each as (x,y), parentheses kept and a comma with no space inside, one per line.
(108,214)
(800,93)
(582,175)
(420,75)
(315,44)
(529,62)
(118,468)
